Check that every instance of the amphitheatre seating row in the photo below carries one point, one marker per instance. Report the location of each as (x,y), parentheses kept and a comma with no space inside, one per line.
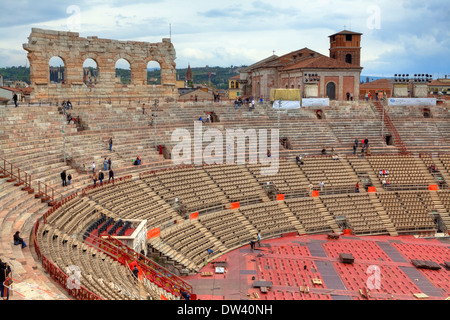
(409,209)
(99,273)
(403,170)
(358,210)
(331,172)
(21,142)
(229,227)
(235,182)
(193,188)
(308,214)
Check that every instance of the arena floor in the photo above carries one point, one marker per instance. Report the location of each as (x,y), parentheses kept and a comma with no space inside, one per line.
(382,266)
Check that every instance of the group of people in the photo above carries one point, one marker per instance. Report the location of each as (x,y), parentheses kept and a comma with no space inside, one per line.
(349,96)
(66,105)
(207,120)
(253,242)
(250,102)
(364,146)
(107,166)
(66,179)
(384,174)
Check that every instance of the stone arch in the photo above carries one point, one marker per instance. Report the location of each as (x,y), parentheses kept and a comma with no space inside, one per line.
(121,72)
(153,73)
(91,73)
(331,90)
(56,71)
(168,71)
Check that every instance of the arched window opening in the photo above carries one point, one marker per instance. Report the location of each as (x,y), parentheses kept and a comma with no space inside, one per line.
(348,58)
(90,72)
(123,72)
(153,73)
(57,70)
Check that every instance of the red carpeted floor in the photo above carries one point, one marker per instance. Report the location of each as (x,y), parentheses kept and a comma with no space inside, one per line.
(382,266)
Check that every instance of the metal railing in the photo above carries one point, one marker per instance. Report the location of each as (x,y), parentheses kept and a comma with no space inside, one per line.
(8,170)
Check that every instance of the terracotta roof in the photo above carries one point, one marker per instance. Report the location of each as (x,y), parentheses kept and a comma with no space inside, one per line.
(238,77)
(320,62)
(377,84)
(3,99)
(303,58)
(26,90)
(346,32)
(11,89)
(440,82)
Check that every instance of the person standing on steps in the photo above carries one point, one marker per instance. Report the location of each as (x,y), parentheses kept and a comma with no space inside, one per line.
(110,143)
(94,178)
(105,164)
(111,175)
(69,179)
(109,164)
(93,166)
(101,176)
(64,178)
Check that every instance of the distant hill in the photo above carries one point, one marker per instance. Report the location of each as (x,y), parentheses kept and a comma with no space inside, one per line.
(16,73)
(219,75)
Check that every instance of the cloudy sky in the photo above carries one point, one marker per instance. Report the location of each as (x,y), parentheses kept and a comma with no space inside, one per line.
(401,36)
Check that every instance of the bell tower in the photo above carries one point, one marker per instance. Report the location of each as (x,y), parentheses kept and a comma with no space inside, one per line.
(345,47)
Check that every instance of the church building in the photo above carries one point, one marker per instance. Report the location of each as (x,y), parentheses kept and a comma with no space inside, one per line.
(316,75)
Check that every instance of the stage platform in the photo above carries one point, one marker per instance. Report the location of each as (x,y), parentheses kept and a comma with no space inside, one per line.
(309,268)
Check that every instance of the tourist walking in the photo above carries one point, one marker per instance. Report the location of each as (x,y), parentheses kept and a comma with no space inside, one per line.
(94,178)
(110,143)
(15,100)
(93,166)
(105,164)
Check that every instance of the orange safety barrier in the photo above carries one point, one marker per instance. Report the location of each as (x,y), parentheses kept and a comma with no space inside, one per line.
(280,197)
(372,189)
(433,187)
(154,233)
(194,215)
(234,205)
(315,193)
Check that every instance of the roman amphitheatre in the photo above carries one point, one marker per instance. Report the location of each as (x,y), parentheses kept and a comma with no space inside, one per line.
(188,228)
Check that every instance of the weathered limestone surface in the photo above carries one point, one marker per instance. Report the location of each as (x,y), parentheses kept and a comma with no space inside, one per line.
(74,50)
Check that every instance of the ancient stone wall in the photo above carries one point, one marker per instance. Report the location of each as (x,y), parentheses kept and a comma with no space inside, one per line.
(73,50)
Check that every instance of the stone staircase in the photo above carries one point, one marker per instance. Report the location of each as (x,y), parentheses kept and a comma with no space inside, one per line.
(383,215)
(327,216)
(440,208)
(294,221)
